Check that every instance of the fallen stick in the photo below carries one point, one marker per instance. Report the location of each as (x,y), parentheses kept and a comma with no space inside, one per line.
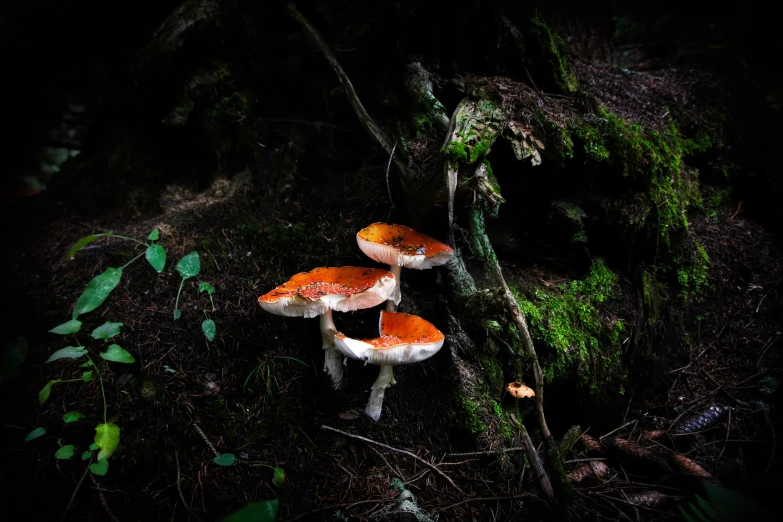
(404,452)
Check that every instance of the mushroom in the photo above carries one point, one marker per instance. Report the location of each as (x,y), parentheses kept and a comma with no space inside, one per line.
(404,339)
(519,390)
(318,292)
(401,246)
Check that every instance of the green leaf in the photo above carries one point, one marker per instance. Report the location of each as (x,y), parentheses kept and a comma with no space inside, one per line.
(97,290)
(177,314)
(279,477)
(154,235)
(66,452)
(86,455)
(83,242)
(37,432)
(106,331)
(100,468)
(224,459)
(43,395)
(87,376)
(208,327)
(156,256)
(13,358)
(189,266)
(206,287)
(88,364)
(69,352)
(94,446)
(116,354)
(265,511)
(72,416)
(107,437)
(70,327)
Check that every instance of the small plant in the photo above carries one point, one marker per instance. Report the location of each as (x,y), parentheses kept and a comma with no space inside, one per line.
(208,325)
(107,435)
(228,459)
(189,266)
(264,511)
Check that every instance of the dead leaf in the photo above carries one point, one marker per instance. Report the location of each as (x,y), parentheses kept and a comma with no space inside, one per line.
(519,390)
(350,415)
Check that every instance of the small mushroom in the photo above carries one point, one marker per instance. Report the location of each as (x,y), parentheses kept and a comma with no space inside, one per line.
(404,339)
(519,390)
(318,292)
(401,246)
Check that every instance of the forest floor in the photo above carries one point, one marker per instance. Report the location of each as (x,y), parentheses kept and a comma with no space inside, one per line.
(258,391)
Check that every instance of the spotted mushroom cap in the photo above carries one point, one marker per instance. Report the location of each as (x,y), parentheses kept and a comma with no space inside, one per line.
(403,246)
(344,289)
(404,339)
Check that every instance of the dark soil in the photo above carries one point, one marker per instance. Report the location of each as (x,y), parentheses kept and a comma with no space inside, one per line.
(256,218)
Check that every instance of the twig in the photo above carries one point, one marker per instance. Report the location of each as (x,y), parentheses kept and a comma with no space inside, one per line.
(75,491)
(512,307)
(336,506)
(179,488)
(103,499)
(769,344)
(484,499)
(489,452)
(728,430)
(365,119)
(629,406)
(204,436)
(616,429)
(388,166)
(404,452)
(577,461)
(160,358)
(738,209)
(394,471)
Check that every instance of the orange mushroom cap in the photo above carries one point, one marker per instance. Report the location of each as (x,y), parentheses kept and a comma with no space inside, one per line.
(403,246)
(404,339)
(344,289)
(519,390)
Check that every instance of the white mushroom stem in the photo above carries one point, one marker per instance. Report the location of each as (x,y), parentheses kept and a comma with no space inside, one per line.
(394,299)
(375,404)
(332,358)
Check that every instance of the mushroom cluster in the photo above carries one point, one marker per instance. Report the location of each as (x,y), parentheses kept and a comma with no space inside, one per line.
(404,338)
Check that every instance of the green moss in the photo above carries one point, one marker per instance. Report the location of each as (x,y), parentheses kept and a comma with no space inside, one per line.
(554,53)
(232,109)
(493,373)
(421,124)
(569,323)
(592,142)
(579,237)
(501,415)
(471,420)
(652,161)
(457,151)
(693,273)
